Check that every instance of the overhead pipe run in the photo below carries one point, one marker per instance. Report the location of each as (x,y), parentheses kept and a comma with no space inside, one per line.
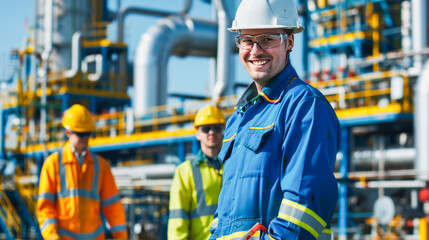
(421,101)
(224,63)
(97,59)
(419,30)
(175,35)
(47,51)
(144,11)
(76,55)
(394,158)
(421,120)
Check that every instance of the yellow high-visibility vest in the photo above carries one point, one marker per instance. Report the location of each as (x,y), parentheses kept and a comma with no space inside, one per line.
(193,200)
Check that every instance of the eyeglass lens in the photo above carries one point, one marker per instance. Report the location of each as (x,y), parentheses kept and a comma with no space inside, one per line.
(264,41)
(83,134)
(206,129)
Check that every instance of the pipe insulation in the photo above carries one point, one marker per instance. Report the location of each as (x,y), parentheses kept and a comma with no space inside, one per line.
(176,35)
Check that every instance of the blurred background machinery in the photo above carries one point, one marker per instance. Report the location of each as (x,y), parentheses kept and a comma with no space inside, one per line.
(369,58)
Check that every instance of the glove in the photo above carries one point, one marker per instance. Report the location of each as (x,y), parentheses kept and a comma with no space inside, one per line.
(53,237)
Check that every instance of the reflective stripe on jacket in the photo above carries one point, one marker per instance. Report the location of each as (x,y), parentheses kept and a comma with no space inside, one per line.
(279,155)
(193,199)
(71,197)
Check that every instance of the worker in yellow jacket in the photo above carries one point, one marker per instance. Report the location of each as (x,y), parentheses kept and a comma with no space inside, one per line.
(197,182)
(76,186)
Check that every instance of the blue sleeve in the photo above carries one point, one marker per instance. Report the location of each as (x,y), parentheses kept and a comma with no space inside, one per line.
(310,190)
(213,226)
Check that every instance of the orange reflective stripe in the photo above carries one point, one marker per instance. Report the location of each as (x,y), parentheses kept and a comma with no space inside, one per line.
(269,100)
(261,128)
(229,139)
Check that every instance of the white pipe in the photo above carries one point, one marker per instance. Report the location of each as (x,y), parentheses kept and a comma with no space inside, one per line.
(406,30)
(224,61)
(98,59)
(392,184)
(47,25)
(45,57)
(145,172)
(421,120)
(177,35)
(419,28)
(76,56)
(144,11)
(393,157)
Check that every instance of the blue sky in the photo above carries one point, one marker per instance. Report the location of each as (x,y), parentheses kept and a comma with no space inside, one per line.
(189,75)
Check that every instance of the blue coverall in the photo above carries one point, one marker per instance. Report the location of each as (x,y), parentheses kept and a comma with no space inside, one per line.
(279,153)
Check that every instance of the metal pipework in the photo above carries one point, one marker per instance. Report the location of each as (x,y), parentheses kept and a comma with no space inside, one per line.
(144,11)
(421,102)
(177,35)
(421,120)
(98,60)
(419,30)
(398,158)
(225,46)
(76,55)
(48,25)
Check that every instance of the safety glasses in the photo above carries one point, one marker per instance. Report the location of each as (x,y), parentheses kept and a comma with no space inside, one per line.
(207,129)
(83,134)
(264,41)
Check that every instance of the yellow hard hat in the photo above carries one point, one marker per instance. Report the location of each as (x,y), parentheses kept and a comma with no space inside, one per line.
(78,119)
(209,115)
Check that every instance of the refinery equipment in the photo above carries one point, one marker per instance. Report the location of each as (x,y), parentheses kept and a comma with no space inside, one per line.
(369,58)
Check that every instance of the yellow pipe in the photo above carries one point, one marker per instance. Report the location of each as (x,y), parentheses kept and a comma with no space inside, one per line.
(376,40)
(423,228)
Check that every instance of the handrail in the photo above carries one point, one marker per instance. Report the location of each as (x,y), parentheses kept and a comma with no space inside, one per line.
(9,215)
(360,90)
(26,191)
(364,90)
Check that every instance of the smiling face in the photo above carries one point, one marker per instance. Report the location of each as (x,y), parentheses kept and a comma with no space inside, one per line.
(264,64)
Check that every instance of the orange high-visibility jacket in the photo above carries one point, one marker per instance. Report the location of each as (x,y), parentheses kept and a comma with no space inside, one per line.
(71,197)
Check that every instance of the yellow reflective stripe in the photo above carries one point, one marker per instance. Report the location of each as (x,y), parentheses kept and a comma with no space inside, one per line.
(325,235)
(269,100)
(300,223)
(238,235)
(302,216)
(304,209)
(229,139)
(327,231)
(261,128)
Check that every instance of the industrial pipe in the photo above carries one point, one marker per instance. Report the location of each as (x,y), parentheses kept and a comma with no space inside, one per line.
(177,35)
(144,11)
(98,59)
(224,61)
(45,57)
(419,28)
(76,56)
(397,158)
(421,120)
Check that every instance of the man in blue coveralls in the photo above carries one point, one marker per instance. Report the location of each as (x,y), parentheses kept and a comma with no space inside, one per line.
(280,144)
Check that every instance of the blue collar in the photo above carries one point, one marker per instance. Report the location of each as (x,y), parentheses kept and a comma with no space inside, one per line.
(271,93)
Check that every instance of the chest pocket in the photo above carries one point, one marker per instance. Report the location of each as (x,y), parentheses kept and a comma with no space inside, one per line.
(226,149)
(256,137)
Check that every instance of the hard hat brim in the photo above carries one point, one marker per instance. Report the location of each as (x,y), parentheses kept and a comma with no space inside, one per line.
(296,30)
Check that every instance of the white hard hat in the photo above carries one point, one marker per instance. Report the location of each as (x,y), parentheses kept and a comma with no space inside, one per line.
(267,14)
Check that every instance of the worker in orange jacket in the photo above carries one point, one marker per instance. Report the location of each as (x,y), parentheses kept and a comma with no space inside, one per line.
(75,184)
